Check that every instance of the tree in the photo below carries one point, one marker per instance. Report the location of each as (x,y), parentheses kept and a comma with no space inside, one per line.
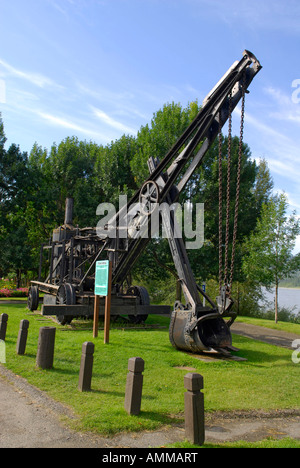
(264,184)
(113,174)
(15,182)
(33,191)
(269,257)
(167,125)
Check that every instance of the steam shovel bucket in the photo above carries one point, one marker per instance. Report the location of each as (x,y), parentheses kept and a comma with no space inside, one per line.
(207,333)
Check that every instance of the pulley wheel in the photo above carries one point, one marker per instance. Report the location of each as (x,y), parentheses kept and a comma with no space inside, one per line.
(149,197)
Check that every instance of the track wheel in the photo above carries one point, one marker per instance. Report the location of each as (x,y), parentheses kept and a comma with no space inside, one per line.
(142,293)
(33,298)
(65,296)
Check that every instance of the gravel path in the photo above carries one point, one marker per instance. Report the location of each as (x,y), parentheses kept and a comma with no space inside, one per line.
(267,335)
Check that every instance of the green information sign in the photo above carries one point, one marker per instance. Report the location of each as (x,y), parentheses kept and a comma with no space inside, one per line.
(101,278)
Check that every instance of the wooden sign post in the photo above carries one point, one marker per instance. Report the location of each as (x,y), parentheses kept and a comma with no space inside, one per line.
(96,315)
(107,306)
(102,288)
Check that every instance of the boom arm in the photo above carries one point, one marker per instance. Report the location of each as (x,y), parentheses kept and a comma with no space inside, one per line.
(178,166)
(205,127)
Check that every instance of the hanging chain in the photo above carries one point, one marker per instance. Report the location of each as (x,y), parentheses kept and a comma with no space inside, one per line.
(220,208)
(238,183)
(228,191)
(225,280)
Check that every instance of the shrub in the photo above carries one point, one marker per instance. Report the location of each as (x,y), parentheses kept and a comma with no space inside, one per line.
(7,292)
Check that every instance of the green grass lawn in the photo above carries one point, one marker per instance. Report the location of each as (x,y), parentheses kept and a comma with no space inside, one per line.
(7,299)
(266,443)
(267,380)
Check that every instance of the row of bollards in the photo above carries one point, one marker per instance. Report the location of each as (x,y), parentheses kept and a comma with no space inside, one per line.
(3,326)
(22,337)
(193,383)
(193,398)
(194,409)
(134,385)
(45,351)
(46,341)
(86,367)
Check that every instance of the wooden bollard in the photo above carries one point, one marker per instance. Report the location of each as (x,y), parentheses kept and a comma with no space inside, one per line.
(45,352)
(22,337)
(86,366)
(3,326)
(134,385)
(194,409)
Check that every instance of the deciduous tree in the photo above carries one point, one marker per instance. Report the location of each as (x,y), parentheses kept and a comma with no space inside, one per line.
(270,247)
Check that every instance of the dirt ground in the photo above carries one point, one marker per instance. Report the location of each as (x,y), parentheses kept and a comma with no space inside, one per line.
(30,419)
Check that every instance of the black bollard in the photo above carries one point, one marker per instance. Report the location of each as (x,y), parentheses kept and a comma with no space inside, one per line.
(194,409)
(3,326)
(134,386)
(45,352)
(22,337)
(86,367)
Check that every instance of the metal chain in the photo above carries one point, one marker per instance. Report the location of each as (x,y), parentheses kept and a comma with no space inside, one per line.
(224,280)
(220,208)
(238,183)
(228,191)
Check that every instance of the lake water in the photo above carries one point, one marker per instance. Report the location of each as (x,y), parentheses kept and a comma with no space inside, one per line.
(287,297)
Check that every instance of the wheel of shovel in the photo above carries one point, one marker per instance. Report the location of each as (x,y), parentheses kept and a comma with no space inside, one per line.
(65,296)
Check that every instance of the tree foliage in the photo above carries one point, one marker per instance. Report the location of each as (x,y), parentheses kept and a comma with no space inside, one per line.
(33,189)
(270,247)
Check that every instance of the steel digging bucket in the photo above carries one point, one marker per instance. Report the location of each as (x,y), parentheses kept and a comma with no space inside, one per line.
(207,333)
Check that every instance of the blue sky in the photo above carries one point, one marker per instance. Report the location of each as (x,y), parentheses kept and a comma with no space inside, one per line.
(100,68)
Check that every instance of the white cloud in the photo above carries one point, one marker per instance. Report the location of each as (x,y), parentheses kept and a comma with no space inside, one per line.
(263,127)
(61,122)
(34,78)
(285,168)
(104,94)
(123,102)
(280,143)
(106,119)
(287,109)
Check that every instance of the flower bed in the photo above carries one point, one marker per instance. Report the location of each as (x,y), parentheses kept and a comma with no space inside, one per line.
(8,289)
(13,292)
